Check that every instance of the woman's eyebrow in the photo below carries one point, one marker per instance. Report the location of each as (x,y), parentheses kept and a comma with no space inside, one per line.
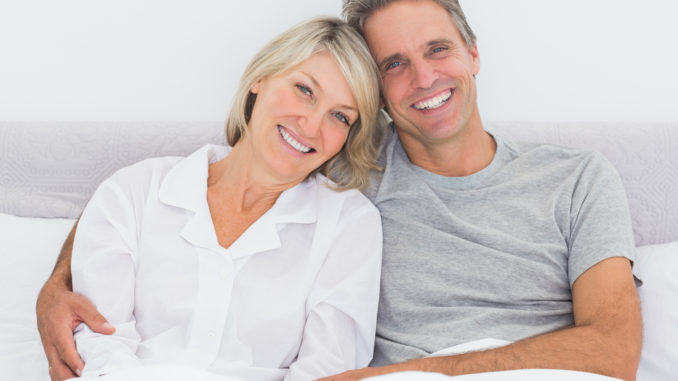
(315,83)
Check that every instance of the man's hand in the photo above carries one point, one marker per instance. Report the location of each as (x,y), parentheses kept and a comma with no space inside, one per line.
(59,312)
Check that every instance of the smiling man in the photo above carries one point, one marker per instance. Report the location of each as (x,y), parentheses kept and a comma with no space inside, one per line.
(527,245)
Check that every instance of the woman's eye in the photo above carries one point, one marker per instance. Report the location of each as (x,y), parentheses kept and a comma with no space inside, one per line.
(342,118)
(304,89)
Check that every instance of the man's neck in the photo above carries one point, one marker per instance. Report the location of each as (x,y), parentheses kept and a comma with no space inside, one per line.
(462,155)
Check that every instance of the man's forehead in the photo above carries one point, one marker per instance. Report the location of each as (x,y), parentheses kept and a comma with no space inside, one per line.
(405,25)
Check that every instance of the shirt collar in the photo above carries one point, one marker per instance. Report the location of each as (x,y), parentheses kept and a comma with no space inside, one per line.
(185,186)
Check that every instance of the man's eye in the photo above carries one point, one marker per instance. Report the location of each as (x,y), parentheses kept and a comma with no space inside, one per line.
(438,49)
(304,89)
(393,65)
(342,118)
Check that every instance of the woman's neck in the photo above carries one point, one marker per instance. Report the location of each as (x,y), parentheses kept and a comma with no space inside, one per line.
(243,182)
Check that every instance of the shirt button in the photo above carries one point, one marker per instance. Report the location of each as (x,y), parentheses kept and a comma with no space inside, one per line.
(210,334)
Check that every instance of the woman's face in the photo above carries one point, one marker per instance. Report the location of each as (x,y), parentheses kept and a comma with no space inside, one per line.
(301,117)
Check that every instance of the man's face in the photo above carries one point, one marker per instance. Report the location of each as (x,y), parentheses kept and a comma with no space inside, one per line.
(427,70)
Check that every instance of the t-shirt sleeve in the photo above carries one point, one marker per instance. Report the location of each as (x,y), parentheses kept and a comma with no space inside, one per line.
(600,222)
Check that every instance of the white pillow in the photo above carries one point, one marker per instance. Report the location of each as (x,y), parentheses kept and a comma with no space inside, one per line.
(657,266)
(28,250)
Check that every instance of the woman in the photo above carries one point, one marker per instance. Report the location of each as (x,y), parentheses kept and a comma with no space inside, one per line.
(247,261)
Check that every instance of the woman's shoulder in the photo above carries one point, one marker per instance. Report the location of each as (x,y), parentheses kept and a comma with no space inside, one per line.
(158,167)
(144,171)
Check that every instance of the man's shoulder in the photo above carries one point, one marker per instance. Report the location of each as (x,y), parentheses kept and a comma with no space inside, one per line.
(537,154)
(551,164)
(550,151)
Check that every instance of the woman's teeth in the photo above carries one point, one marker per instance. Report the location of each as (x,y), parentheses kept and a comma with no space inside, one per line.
(434,102)
(292,142)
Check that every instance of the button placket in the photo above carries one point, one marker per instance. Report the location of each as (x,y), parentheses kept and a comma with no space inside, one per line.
(215,285)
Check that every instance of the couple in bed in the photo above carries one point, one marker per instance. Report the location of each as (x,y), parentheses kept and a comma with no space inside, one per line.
(262,261)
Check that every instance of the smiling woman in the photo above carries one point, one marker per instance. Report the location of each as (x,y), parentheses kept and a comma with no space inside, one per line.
(301,117)
(237,260)
(352,71)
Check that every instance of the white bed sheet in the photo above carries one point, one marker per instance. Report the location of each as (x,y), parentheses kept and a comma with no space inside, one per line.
(174,373)
(510,375)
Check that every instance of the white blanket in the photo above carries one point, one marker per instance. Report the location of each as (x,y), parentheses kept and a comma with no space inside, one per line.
(174,373)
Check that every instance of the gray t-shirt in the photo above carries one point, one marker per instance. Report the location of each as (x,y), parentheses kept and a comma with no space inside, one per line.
(493,254)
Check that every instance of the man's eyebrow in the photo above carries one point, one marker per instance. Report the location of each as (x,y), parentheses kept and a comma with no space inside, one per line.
(441,41)
(390,58)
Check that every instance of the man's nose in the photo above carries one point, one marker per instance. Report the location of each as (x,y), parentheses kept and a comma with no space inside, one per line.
(423,74)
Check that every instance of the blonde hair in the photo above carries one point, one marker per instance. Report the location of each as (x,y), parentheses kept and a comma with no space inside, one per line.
(351,166)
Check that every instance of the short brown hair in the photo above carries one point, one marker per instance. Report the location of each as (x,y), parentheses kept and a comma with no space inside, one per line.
(357,11)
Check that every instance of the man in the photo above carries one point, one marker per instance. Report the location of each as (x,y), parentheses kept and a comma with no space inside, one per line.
(483,237)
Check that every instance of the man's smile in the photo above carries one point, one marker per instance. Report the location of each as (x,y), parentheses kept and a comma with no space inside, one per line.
(435,101)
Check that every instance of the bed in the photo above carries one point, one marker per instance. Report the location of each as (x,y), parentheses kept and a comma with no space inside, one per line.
(48,170)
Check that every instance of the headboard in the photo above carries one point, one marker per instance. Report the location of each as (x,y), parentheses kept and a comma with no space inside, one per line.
(50,169)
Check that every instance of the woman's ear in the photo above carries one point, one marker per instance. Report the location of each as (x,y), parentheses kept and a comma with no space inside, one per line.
(255,88)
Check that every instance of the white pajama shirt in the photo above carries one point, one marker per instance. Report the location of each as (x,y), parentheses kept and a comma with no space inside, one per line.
(295,297)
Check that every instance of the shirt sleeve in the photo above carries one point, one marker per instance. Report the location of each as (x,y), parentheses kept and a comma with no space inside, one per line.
(103,268)
(342,306)
(600,221)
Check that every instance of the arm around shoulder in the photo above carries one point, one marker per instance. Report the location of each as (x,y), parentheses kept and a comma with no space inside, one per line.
(59,311)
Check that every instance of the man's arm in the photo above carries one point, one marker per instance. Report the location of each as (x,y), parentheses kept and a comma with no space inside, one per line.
(606,338)
(59,311)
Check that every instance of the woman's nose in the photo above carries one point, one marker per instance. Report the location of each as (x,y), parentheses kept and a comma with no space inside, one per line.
(310,122)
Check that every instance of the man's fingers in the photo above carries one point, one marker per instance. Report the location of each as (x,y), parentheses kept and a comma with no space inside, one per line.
(58,370)
(92,318)
(68,355)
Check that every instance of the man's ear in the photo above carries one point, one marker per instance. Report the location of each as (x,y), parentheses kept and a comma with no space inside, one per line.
(475,59)
(382,103)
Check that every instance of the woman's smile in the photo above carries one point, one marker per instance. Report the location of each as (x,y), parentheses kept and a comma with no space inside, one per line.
(292,142)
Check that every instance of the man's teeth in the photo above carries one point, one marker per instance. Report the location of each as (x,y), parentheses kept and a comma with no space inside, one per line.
(433,102)
(292,142)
